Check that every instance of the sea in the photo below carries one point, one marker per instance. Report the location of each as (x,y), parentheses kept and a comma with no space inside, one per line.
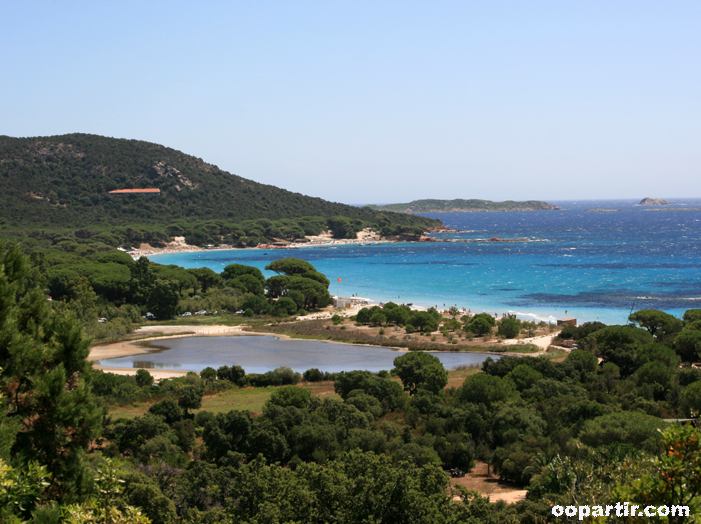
(575,262)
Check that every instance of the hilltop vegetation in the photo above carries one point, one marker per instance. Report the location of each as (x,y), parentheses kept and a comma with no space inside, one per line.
(459,205)
(63,183)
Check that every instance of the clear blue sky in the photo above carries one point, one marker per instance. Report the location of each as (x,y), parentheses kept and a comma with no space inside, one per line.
(376,101)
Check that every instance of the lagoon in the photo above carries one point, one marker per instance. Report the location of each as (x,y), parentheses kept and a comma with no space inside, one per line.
(259,354)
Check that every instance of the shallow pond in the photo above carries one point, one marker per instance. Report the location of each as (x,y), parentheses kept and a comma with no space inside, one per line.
(258,354)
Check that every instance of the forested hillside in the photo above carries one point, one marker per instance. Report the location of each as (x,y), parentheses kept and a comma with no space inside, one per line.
(64,181)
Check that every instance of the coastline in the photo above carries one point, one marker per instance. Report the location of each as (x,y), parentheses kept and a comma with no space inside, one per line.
(171,248)
(420,303)
(178,245)
(476,296)
(365,237)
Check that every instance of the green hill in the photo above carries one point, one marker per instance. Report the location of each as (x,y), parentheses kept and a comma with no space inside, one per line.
(459,205)
(64,181)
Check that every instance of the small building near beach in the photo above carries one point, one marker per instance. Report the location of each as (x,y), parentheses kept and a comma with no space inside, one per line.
(342,302)
(569,321)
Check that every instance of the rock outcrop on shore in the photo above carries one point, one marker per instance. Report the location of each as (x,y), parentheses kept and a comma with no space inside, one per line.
(647,201)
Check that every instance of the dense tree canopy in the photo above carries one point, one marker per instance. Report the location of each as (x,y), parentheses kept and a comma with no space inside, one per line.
(570,428)
(291,267)
(45,376)
(418,370)
(658,323)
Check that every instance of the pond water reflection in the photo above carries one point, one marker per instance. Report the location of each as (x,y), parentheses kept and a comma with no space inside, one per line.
(258,354)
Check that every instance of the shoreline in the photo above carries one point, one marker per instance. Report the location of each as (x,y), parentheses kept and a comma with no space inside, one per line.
(477,303)
(538,314)
(178,245)
(181,249)
(156,251)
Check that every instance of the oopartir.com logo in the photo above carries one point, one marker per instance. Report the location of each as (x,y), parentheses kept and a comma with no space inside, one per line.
(622,509)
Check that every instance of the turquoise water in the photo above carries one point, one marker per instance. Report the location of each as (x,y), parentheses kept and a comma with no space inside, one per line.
(258,354)
(589,265)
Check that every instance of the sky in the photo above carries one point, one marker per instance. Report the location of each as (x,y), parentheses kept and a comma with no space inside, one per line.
(376,101)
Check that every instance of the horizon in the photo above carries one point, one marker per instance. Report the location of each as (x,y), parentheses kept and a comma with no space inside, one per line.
(560,200)
(499,100)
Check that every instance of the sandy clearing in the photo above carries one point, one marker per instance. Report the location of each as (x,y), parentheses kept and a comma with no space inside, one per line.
(542,341)
(157,374)
(509,498)
(489,485)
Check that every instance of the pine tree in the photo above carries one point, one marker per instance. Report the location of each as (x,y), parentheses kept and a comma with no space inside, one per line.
(44,378)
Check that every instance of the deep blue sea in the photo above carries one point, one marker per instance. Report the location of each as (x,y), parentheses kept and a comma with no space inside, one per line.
(587,265)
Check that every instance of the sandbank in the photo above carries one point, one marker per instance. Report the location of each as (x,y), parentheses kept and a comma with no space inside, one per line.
(126,348)
(157,374)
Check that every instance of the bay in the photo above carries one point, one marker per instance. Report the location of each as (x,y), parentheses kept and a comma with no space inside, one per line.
(588,265)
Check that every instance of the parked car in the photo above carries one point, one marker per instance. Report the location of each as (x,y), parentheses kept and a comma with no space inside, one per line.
(186,314)
(102,320)
(203,312)
(457,473)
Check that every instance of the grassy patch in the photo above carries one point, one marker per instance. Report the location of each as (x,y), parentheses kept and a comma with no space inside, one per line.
(457,376)
(128,410)
(522,348)
(556,354)
(246,399)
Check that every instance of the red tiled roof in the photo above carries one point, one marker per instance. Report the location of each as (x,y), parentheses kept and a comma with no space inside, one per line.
(150,190)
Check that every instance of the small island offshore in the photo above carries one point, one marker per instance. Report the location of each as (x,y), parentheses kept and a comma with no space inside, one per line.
(463,206)
(647,201)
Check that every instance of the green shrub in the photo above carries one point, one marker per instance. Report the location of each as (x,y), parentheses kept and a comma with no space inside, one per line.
(509,327)
(313,375)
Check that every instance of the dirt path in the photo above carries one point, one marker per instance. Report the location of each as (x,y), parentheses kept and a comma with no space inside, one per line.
(542,341)
(489,485)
